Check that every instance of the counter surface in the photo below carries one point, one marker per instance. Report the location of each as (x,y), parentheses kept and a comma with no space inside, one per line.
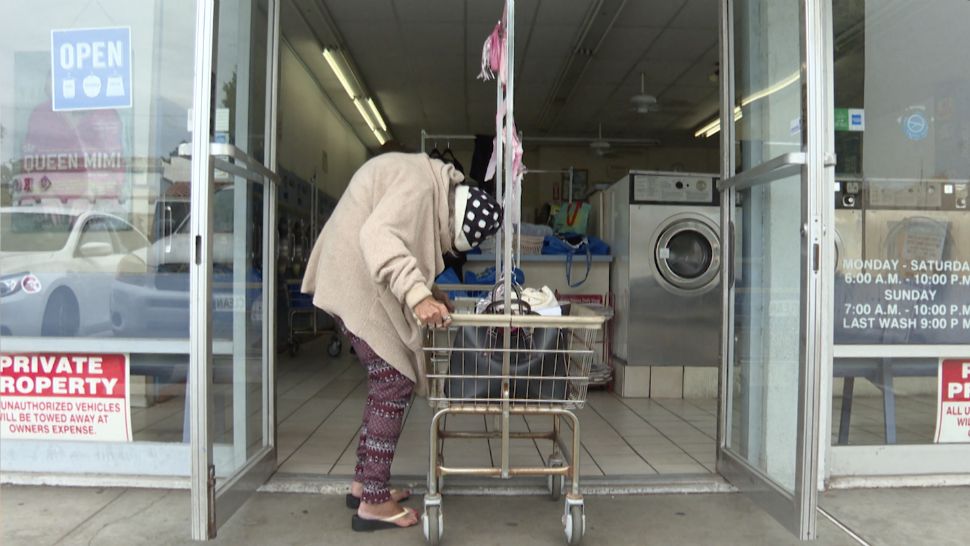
(596,258)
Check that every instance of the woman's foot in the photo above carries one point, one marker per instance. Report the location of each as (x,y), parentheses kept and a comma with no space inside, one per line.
(390,512)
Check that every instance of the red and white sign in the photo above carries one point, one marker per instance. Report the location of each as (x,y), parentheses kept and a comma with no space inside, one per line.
(64,396)
(953,410)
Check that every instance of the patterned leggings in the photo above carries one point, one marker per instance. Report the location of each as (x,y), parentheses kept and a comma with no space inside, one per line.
(388,394)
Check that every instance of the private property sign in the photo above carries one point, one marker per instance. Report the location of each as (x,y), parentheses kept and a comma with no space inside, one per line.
(91,68)
(60,396)
(953,410)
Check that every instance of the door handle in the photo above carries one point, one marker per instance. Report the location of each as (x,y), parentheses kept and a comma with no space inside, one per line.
(780,167)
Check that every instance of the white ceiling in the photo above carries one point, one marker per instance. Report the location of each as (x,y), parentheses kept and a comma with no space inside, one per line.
(419,59)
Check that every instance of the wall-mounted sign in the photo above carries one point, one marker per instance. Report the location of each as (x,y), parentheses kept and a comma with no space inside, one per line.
(953,406)
(91,68)
(64,396)
(915,123)
(850,119)
(903,301)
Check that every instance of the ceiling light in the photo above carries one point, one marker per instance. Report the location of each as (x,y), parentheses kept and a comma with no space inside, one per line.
(340,68)
(714,126)
(364,114)
(771,89)
(376,114)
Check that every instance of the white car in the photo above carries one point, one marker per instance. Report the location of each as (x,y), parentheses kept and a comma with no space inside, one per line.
(57,267)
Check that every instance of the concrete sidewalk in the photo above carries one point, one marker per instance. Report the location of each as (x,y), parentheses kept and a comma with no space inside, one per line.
(47,515)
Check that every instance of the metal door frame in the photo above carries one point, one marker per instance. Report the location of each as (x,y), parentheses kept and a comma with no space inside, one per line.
(206,494)
(816,165)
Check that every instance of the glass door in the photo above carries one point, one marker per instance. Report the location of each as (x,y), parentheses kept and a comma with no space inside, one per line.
(902,131)
(774,164)
(92,264)
(234,188)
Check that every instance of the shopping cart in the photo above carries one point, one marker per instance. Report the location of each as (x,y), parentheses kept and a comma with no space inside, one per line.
(507,365)
(302,320)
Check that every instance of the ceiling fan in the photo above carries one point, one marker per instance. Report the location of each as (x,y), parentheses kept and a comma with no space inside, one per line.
(599,145)
(643,103)
(603,147)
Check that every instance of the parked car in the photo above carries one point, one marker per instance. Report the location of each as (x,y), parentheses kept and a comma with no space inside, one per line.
(57,267)
(152,300)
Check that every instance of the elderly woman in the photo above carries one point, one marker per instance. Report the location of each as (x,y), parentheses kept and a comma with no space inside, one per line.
(372,268)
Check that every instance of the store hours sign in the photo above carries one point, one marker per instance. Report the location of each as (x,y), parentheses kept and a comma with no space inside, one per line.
(91,68)
(916,301)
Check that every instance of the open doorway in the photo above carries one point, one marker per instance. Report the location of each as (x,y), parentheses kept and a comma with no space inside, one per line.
(603,89)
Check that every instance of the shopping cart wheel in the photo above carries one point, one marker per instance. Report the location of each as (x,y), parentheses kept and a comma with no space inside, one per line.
(575,522)
(555,484)
(433,524)
(333,349)
(294,347)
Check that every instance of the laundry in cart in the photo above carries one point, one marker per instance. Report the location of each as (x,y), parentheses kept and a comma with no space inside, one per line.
(509,364)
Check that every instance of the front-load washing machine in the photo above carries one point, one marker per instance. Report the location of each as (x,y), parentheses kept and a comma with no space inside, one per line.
(667,269)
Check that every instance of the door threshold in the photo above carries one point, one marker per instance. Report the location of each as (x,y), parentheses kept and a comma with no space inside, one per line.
(520,486)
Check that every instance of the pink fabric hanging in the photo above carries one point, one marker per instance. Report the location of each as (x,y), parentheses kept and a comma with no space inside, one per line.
(494,63)
(518,168)
(493,53)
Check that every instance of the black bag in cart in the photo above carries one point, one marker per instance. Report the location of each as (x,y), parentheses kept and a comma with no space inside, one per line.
(538,364)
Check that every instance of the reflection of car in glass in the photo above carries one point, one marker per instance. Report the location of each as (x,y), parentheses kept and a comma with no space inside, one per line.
(152,298)
(57,267)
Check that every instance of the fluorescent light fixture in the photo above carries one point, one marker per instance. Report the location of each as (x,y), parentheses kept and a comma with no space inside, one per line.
(365,105)
(771,89)
(364,114)
(338,65)
(714,126)
(376,114)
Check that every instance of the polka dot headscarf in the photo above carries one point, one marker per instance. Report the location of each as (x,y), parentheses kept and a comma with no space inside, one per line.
(477,215)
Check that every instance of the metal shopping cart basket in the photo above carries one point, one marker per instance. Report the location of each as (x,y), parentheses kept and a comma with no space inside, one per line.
(504,365)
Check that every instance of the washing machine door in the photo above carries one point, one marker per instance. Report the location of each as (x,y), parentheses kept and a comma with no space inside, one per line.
(688,255)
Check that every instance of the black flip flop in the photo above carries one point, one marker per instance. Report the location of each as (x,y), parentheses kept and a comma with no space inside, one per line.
(354,502)
(360,524)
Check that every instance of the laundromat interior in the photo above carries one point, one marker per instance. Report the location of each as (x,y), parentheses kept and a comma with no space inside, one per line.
(602,88)
(618,104)
(582,72)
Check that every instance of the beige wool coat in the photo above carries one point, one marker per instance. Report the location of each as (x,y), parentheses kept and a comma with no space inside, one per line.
(378,254)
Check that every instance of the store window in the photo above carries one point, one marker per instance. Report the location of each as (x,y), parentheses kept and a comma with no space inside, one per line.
(902,272)
(95,109)
(95,212)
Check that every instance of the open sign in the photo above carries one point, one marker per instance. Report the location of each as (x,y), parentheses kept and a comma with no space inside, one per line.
(91,68)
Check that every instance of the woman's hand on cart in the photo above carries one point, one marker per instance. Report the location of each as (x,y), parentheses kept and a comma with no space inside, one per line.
(433,313)
(443,298)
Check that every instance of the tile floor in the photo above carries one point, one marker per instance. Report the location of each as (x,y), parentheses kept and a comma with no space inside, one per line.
(320,400)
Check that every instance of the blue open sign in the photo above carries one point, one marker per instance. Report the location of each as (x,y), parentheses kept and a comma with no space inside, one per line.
(91,68)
